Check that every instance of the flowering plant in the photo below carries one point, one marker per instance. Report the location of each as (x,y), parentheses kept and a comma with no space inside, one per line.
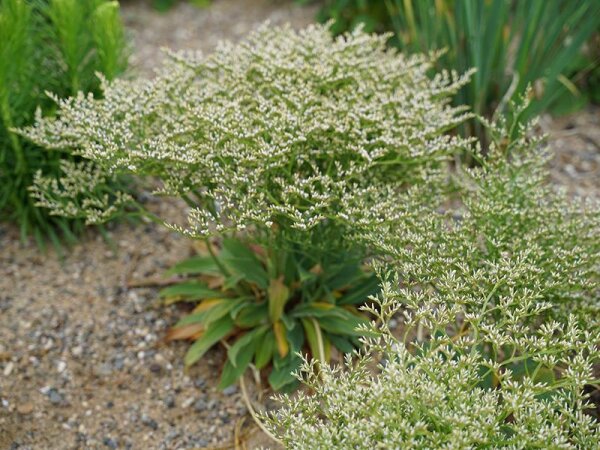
(496,296)
(58,46)
(447,391)
(270,142)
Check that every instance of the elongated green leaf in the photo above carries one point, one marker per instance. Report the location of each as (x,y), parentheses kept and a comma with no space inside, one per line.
(342,343)
(252,314)
(191,318)
(361,293)
(265,349)
(240,355)
(217,331)
(295,336)
(221,309)
(242,261)
(343,326)
(282,373)
(232,281)
(188,291)
(344,275)
(248,342)
(319,309)
(195,265)
(231,373)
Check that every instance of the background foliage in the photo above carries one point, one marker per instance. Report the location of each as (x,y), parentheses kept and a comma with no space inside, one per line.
(512,44)
(47,46)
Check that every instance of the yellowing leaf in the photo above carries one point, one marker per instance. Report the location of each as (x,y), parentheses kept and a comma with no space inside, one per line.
(207,304)
(282,343)
(316,270)
(312,330)
(323,305)
(278,294)
(191,331)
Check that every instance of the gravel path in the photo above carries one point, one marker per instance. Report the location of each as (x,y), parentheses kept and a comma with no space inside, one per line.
(186,27)
(575,141)
(82,360)
(83,364)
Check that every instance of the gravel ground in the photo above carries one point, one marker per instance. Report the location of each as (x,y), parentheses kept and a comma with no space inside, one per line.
(186,27)
(575,141)
(83,364)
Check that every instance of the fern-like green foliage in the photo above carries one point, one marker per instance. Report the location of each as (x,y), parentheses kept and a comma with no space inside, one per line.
(53,46)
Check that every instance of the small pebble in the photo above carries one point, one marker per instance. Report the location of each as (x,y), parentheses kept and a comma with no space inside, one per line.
(55,397)
(8,368)
(230,390)
(170,401)
(110,443)
(200,405)
(149,422)
(155,368)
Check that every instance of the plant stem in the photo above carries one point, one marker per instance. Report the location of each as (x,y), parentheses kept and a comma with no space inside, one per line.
(213,255)
(253,413)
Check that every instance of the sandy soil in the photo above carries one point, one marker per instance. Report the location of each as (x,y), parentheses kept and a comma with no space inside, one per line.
(82,360)
(187,27)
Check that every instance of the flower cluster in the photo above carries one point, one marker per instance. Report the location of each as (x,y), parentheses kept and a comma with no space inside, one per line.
(275,130)
(506,239)
(82,191)
(454,391)
(495,291)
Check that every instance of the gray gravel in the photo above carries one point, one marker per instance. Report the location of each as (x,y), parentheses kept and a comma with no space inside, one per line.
(83,364)
(187,27)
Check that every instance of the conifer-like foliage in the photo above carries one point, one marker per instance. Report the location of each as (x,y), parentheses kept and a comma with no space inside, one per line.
(47,46)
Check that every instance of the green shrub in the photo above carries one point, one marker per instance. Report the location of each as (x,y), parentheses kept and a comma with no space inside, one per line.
(498,306)
(269,142)
(56,46)
(504,231)
(166,5)
(512,44)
